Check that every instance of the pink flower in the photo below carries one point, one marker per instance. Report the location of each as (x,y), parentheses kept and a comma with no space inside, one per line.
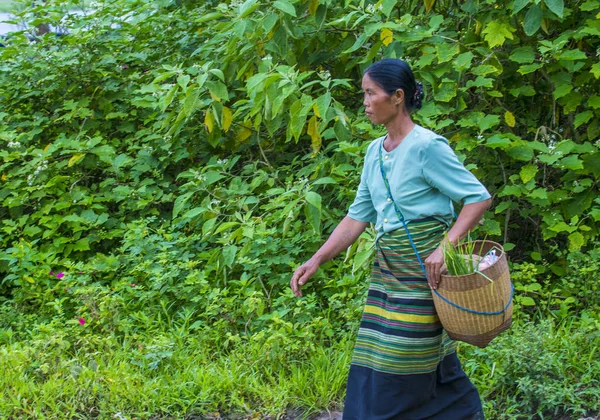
(124,66)
(133,285)
(82,321)
(51,272)
(81,272)
(60,275)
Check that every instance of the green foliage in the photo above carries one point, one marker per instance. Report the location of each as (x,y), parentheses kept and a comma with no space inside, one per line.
(176,177)
(546,370)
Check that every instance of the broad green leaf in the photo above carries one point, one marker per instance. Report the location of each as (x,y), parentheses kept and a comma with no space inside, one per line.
(484,70)
(556,6)
(225,226)
(387,6)
(503,206)
(523,90)
(183,80)
(313,215)
(219,73)
(191,98)
(514,190)
(208,226)
(446,92)
(594,101)
(498,142)
(248,7)
(463,61)
(523,55)
(322,104)
(491,227)
(285,7)
(526,301)
(527,173)
(447,51)
(314,199)
(571,162)
(590,5)
(518,5)
(313,5)
(229,252)
(562,90)
(168,98)
(218,91)
(361,258)
(488,122)
(180,202)
(480,81)
(539,193)
(297,119)
(529,68)
(496,33)
(596,70)
(572,55)
(210,177)
(576,241)
(164,76)
(82,245)
(533,20)
(508,246)
(190,214)
(583,118)
(358,43)
(520,152)
(121,160)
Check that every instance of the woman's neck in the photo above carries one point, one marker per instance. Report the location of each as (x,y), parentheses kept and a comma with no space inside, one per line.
(397,130)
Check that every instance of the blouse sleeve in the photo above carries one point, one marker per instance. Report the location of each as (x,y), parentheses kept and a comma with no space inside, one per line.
(362,208)
(443,171)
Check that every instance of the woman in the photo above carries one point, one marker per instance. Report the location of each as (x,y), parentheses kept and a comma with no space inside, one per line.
(404,365)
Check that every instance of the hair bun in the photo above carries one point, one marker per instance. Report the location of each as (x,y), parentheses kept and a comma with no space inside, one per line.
(418,98)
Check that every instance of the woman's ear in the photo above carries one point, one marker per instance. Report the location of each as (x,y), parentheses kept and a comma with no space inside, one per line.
(398,97)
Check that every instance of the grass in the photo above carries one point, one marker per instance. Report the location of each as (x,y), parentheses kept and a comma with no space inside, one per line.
(545,371)
(162,377)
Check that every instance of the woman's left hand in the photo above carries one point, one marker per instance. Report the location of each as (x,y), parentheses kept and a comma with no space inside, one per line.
(433,266)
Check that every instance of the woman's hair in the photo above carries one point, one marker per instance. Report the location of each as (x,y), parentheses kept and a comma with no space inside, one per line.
(392,74)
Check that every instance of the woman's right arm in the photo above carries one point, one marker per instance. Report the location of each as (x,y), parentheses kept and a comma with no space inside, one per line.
(340,239)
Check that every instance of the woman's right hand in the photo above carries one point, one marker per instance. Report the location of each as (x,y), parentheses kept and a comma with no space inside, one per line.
(302,275)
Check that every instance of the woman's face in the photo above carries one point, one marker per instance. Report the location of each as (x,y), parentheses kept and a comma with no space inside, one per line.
(380,106)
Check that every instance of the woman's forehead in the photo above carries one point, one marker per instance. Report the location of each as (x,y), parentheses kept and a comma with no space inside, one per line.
(367,82)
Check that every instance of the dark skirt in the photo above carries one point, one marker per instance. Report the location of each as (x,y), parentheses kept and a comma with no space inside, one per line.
(404,364)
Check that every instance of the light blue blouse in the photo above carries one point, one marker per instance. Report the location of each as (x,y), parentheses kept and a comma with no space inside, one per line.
(425,176)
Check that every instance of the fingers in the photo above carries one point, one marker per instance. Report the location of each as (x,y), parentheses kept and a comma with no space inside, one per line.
(433,270)
(300,277)
(295,282)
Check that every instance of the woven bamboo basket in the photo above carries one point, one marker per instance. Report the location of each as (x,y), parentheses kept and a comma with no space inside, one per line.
(470,307)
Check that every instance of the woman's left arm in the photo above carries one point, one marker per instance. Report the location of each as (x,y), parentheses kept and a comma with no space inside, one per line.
(468,218)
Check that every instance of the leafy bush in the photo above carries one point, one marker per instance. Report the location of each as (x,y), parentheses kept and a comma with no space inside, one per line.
(161,185)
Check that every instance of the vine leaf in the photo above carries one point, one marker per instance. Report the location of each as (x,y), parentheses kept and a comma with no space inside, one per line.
(533,20)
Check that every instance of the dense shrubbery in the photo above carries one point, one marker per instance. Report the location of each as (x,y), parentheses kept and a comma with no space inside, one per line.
(166,165)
